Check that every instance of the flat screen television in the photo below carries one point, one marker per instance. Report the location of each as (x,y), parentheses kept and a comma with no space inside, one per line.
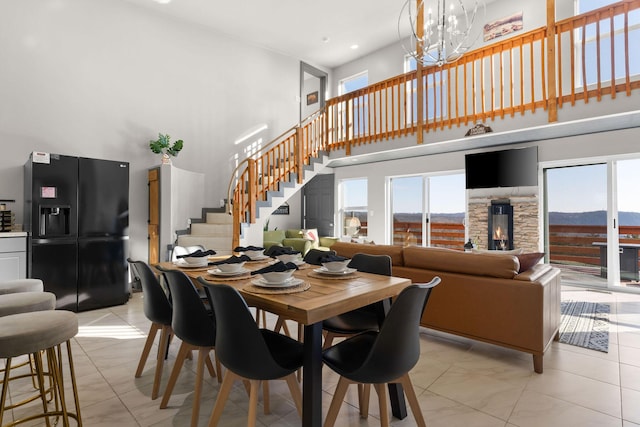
(516,167)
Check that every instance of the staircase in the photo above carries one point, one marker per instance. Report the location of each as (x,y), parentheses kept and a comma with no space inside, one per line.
(215,229)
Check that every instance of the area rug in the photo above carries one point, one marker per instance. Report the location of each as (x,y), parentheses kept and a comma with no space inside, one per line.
(585,324)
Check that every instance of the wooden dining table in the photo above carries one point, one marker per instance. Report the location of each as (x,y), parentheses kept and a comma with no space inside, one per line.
(324,296)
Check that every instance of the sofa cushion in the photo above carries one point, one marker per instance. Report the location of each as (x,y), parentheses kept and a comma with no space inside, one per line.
(477,264)
(273,236)
(348,250)
(293,233)
(527,261)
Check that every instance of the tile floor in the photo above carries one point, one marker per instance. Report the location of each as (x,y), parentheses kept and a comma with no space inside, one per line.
(458,382)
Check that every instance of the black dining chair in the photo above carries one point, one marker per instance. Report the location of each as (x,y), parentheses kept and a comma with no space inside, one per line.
(158,310)
(194,325)
(362,319)
(315,255)
(249,353)
(382,357)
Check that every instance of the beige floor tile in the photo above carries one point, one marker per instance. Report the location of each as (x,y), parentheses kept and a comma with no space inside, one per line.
(630,377)
(536,410)
(631,405)
(482,392)
(583,364)
(578,390)
(459,382)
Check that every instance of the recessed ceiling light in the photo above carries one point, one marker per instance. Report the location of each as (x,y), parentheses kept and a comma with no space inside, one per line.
(354,46)
(163,1)
(325,39)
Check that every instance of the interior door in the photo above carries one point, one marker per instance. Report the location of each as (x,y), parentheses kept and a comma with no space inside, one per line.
(317,200)
(154,215)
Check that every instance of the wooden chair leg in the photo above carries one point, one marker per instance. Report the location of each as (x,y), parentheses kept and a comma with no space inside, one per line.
(177,367)
(407,386)
(328,340)
(151,336)
(266,401)
(203,354)
(364,395)
(381,389)
(223,395)
(336,402)
(253,403)
(296,394)
(165,332)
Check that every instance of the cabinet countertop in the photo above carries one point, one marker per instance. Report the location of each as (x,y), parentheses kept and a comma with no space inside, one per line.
(13,234)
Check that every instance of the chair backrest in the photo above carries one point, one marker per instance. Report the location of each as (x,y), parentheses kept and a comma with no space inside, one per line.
(156,304)
(396,348)
(376,264)
(184,250)
(191,321)
(315,255)
(240,344)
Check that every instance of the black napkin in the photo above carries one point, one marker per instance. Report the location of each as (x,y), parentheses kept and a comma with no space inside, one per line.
(198,253)
(278,266)
(232,260)
(248,248)
(281,250)
(331,258)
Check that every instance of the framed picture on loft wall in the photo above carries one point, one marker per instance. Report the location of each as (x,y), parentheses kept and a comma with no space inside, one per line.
(312,98)
(502,27)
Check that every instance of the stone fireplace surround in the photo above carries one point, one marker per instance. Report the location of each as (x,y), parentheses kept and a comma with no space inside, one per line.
(526,215)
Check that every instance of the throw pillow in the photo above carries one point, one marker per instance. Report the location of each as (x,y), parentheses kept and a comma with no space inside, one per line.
(529,260)
(312,234)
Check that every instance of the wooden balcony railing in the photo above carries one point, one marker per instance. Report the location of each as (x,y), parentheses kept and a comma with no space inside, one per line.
(443,234)
(574,244)
(546,68)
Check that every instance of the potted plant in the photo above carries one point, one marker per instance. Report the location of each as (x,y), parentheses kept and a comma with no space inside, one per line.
(163,146)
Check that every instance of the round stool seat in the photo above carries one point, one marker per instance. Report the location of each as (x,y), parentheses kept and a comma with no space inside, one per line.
(21,285)
(24,302)
(26,333)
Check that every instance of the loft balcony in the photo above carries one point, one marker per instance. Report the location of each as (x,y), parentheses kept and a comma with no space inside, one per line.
(538,76)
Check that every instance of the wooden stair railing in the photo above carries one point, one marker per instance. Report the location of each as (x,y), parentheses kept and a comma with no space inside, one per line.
(502,79)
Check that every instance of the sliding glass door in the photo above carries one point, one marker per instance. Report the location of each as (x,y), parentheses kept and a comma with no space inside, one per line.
(592,223)
(428,210)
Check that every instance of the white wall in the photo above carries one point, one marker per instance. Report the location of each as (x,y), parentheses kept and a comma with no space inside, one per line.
(100,78)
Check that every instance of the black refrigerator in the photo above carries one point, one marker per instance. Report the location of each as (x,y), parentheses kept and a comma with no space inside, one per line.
(77,216)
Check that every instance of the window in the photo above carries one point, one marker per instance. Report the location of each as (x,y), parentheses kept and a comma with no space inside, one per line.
(591,45)
(354,207)
(435,102)
(358,119)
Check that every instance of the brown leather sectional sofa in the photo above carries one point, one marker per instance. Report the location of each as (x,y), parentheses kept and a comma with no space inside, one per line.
(482,296)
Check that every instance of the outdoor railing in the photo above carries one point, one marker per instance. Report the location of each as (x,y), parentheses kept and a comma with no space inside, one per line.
(546,68)
(574,244)
(443,234)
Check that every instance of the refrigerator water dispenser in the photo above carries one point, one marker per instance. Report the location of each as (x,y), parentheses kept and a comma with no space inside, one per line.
(54,221)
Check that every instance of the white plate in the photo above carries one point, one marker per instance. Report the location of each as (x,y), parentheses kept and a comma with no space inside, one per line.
(217,272)
(292,281)
(323,270)
(184,264)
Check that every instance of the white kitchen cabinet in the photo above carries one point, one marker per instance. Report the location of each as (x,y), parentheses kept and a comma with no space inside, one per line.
(13,256)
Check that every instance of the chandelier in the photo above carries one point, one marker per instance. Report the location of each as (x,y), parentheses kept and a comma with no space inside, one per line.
(441,31)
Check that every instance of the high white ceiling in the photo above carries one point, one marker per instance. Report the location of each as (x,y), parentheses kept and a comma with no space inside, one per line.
(318,32)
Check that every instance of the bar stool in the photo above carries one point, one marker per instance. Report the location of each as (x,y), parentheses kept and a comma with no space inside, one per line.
(25,302)
(31,333)
(21,285)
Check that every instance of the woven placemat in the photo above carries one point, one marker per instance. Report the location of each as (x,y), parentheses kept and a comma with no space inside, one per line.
(213,278)
(291,290)
(333,276)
